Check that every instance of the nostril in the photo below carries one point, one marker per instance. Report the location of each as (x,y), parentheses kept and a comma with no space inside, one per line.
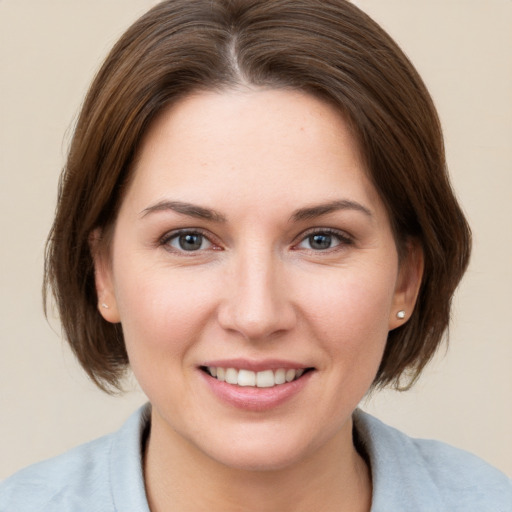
(256,321)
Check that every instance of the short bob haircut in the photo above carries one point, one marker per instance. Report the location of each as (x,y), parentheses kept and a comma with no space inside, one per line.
(328,48)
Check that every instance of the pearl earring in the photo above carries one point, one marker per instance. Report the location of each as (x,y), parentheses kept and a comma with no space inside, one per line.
(401,314)
(105,306)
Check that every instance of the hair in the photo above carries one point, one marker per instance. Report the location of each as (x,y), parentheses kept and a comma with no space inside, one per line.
(328,48)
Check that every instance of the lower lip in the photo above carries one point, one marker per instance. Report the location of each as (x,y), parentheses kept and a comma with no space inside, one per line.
(252,398)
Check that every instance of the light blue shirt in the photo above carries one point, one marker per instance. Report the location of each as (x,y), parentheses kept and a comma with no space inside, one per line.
(409,475)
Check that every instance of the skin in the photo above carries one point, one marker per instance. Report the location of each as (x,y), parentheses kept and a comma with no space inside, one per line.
(256,288)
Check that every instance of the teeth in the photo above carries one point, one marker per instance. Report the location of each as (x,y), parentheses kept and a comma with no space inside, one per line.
(280,376)
(263,379)
(231,376)
(246,378)
(290,375)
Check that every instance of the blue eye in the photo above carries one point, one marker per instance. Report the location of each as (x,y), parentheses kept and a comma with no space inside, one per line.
(189,242)
(320,241)
(323,241)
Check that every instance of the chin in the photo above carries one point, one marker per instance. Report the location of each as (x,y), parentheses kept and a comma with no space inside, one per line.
(259,459)
(261,450)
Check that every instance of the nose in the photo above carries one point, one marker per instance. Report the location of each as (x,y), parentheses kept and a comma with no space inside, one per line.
(257,302)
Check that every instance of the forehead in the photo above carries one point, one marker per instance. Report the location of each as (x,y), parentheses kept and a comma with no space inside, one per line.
(278,145)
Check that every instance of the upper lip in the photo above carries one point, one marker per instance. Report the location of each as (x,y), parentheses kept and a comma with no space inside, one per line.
(255,366)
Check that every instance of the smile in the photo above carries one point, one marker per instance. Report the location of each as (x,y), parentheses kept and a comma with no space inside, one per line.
(262,379)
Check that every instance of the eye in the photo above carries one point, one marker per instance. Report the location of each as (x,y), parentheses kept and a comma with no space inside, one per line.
(188,241)
(323,240)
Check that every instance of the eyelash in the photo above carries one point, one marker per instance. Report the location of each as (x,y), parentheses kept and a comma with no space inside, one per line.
(342,237)
(168,237)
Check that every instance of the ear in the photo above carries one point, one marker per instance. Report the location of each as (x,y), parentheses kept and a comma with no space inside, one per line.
(408,284)
(107,303)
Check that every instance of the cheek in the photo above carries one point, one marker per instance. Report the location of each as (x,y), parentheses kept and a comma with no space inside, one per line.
(162,314)
(350,312)
(354,295)
(162,320)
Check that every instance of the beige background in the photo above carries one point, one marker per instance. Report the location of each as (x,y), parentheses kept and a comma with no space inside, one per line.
(49,51)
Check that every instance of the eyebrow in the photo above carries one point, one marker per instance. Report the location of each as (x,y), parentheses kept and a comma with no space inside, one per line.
(301,214)
(311,212)
(192,210)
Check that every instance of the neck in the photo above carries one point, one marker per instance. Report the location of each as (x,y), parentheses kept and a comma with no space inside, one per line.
(181,478)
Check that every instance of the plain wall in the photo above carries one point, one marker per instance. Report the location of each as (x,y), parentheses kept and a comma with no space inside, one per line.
(49,51)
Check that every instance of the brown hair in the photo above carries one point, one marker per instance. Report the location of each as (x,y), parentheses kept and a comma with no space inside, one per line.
(328,48)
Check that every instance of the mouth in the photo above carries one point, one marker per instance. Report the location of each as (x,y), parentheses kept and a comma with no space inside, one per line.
(261,379)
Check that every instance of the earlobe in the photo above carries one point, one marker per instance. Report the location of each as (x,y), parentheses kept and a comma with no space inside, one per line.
(107,304)
(408,284)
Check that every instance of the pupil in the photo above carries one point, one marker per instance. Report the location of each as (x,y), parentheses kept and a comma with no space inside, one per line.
(320,241)
(190,242)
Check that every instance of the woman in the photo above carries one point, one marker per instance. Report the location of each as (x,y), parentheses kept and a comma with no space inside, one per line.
(255,216)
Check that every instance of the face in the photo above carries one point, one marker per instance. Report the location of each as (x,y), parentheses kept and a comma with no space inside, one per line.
(255,274)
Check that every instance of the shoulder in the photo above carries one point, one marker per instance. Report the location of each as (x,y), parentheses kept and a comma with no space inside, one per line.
(424,475)
(85,478)
(54,484)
